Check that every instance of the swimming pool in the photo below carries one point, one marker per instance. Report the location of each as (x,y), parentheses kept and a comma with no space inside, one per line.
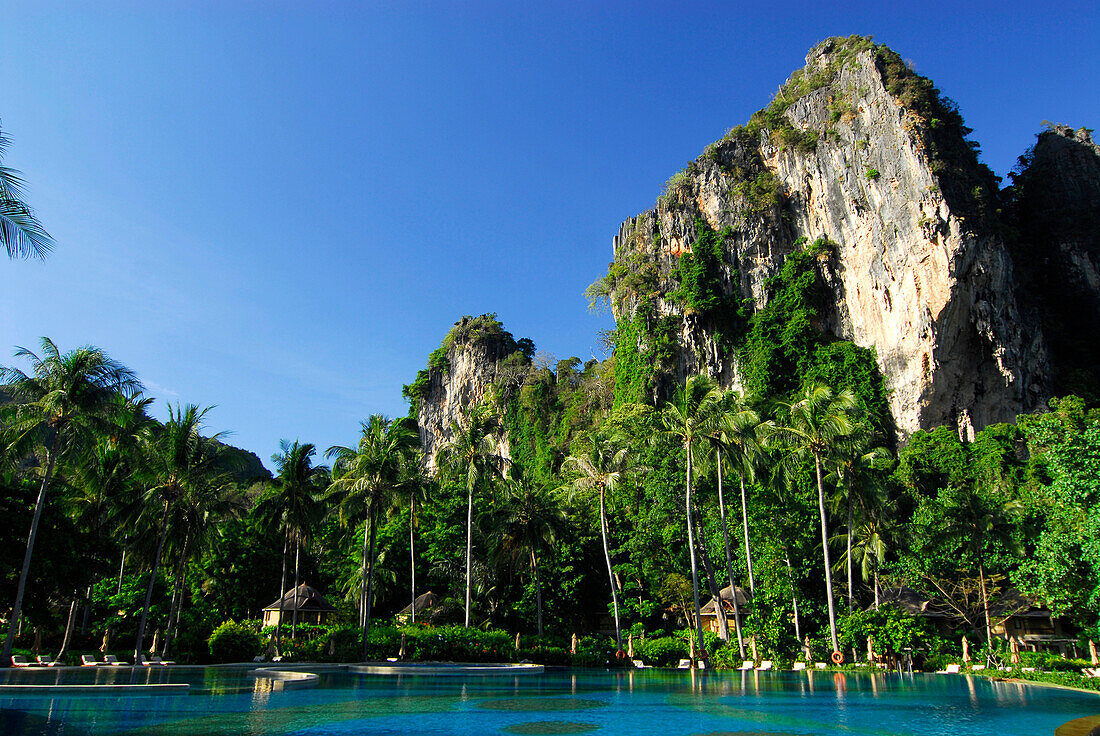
(227,702)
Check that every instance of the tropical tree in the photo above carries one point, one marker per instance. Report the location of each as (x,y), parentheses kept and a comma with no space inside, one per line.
(416,485)
(815,427)
(364,479)
(471,455)
(733,435)
(687,419)
(184,475)
(63,406)
(293,502)
(601,468)
(21,234)
(530,521)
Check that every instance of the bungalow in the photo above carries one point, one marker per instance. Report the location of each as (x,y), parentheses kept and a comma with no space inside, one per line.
(709,612)
(311,607)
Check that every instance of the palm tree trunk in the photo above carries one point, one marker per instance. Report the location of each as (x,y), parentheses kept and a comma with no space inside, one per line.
(825,552)
(17,609)
(538,588)
(152,580)
(363,576)
(850,583)
(177,596)
(694,568)
(876,587)
(370,579)
(985,602)
(121,570)
(70,624)
(297,582)
(748,547)
(729,562)
(712,583)
(412,554)
(794,595)
(610,572)
(282,598)
(469,546)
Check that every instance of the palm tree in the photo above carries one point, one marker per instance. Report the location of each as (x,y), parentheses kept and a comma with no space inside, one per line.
(531,520)
(293,501)
(363,481)
(686,419)
(734,435)
(21,234)
(816,426)
(600,469)
(184,471)
(472,456)
(64,405)
(417,484)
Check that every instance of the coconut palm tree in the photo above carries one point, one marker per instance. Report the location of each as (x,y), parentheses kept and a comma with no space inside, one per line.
(417,485)
(600,469)
(816,426)
(531,520)
(472,456)
(21,234)
(686,419)
(293,502)
(733,435)
(63,406)
(184,474)
(364,479)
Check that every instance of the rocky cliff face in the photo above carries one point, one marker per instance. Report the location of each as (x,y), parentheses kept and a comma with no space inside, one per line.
(459,376)
(857,149)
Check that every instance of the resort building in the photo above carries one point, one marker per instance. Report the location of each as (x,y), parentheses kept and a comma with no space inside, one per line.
(311,607)
(709,612)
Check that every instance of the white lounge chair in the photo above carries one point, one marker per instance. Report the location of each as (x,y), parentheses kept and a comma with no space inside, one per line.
(765,665)
(799,666)
(89,660)
(748,664)
(113,661)
(951,669)
(977,668)
(1086,671)
(821,665)
(155,660)
(18,660)
(47,661)
(685,664)
(639,664)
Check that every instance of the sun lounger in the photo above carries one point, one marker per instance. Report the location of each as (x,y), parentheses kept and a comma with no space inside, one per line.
(977,668)
(748,664)
(18,660)
(821,665)
(155,660)
(113,661)
(951,669)
(1087,671)
(89,660)
(47,661)
(765,665)
(685,664)
(639,664)
(799,666)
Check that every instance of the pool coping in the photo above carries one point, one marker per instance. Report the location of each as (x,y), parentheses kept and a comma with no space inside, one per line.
(149,688)
(442,669)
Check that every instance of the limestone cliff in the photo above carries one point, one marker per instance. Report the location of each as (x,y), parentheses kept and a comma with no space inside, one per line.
(859,150)
(459,376)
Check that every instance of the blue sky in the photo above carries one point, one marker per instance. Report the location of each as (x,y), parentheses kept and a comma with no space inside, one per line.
(280,208)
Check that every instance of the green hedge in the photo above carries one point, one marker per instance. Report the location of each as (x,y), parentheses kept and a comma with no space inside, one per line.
(233,642)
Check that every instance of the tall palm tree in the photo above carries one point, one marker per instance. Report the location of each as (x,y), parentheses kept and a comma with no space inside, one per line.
(417,484)
(21,234)
(733,435)
(686,419)
(531,521)
(472,456)
(600,469)
(816,426)
(64,405)
(293,501)
(184,470)
(364,479)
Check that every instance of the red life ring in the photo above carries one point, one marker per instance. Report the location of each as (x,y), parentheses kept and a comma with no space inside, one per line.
(837,658)
(620,654)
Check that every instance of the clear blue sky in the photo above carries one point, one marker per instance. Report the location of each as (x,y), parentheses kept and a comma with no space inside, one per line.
(280,208)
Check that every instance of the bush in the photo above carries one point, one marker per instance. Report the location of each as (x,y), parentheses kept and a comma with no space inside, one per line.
(665,651)
(872,173)
(233,642)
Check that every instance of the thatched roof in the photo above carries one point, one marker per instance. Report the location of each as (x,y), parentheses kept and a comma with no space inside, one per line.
(302,598)
(743,599)
(423,602)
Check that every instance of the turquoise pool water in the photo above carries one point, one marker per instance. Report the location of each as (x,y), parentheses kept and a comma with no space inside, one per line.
(673,703)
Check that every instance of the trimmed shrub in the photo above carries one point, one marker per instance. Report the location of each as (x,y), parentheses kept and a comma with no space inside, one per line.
(233,642)
(665,651)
